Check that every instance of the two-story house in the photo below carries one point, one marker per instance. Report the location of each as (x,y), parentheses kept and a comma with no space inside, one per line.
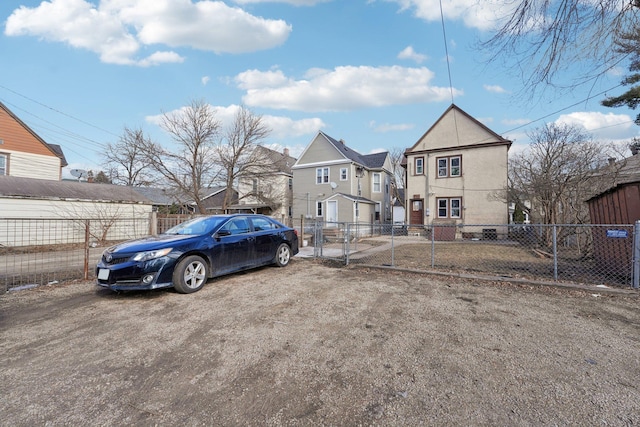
(456,173)
(23,153)
(334,183)
(269,188)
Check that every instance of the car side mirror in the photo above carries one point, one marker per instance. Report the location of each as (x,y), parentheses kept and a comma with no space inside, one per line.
(222,233)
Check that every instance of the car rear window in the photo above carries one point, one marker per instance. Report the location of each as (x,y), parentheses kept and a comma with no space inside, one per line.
(260,224)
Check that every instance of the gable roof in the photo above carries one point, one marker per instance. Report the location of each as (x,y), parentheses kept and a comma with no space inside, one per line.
(351,197)
(370,161)
(342,148)
(17,187)
(493,139)
(375,160)
(54,149)
(282,161)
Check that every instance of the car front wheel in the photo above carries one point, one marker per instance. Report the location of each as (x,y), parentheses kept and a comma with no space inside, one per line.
(283,255)
(190,274)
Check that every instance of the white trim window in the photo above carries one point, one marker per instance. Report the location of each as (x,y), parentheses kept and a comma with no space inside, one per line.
(322,175)
(419,165)
(319,211)
(344,174)
(449,167)
(3,164)
(377,182)
(450,207)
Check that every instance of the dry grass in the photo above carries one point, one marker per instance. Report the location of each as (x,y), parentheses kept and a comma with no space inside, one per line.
(508,259)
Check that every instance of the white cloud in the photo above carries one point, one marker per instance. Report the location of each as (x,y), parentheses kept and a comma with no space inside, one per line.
(475,14)
(281,127)
(158,58)
(388,127)
(342,89)
(494,88)
(205,80)
(409,53)
(291,2)
(118,30)
(602,126)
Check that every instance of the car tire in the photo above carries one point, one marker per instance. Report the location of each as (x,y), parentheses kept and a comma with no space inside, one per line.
(190,274)
(283,255)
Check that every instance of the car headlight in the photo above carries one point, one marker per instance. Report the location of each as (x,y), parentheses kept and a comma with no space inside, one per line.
(147,255)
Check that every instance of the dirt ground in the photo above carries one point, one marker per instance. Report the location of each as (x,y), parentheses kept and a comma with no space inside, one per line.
(315,345)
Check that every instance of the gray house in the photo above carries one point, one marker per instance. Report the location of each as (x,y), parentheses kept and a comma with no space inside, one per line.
(334,183)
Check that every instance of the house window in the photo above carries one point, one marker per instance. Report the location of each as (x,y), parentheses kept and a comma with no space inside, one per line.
(322,175)
(376,183)
(290,183)
(455,166)
(449,207)
(254,186)
(343,174)
(419,165)
(449,166)
(3,164)
(318,208)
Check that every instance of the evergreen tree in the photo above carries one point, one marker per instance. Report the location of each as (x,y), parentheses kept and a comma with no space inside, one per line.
(629,44)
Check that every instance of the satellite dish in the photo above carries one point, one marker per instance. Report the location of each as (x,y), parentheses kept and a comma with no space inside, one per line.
(333,185)
(78,173)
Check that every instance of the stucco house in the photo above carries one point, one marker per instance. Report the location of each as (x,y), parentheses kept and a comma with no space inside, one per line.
(268,191)
(456,173)
(23,153)
(334,183)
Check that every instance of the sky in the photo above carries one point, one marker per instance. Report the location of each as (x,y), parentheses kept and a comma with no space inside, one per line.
(375,73)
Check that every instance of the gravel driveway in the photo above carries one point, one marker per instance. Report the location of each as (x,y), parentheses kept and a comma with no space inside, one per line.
(314,345)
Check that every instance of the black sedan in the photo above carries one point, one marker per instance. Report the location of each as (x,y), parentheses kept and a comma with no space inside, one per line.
(187,255)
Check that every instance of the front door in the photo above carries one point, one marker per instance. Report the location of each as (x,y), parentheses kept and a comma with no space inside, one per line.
(332,213)
(416,215)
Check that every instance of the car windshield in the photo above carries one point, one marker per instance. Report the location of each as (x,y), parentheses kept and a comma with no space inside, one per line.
(196,226)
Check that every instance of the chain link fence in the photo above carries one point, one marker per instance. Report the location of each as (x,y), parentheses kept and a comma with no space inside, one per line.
(590,254)
(40,251)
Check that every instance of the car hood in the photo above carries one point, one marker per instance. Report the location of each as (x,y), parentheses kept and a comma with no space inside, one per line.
(151,243)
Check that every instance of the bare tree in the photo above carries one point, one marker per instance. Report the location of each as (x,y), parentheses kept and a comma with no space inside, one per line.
(545,37)
(194,166)
(557,174)
(126,159)
(237,154)
(398,178)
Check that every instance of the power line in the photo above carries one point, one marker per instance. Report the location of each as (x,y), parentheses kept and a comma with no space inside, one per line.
(57,111)
(446,51)
(565,108)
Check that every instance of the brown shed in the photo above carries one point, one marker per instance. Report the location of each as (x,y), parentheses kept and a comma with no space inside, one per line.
(618,205)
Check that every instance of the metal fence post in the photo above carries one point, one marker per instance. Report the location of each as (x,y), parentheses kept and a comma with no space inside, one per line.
(433,248)
(393,249)
(87,224)
(345,245)
(555,252)
(636,255)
